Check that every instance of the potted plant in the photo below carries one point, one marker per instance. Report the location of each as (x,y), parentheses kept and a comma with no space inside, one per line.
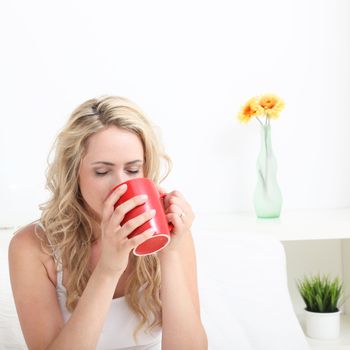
(321,296)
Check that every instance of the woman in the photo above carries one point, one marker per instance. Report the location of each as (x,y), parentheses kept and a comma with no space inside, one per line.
(75,281)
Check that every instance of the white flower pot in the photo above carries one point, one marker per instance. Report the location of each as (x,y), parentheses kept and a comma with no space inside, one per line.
(322,325)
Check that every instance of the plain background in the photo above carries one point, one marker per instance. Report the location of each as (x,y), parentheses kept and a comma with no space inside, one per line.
(190,65)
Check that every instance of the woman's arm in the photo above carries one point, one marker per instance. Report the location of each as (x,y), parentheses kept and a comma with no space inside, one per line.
(85,325)
(182,327)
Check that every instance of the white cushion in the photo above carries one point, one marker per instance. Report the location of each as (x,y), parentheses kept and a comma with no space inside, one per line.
(245,302)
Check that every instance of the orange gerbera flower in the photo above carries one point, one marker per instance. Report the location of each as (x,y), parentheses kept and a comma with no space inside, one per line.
(271,104)
(249,110)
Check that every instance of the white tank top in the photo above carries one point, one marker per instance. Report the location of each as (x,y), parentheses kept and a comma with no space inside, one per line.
(117,331)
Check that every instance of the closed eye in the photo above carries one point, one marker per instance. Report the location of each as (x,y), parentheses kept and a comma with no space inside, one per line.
(106,172)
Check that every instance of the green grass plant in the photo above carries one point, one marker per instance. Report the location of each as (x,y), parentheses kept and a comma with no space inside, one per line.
(321,294)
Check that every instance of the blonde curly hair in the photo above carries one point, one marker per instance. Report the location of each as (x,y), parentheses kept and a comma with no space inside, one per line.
(67,222)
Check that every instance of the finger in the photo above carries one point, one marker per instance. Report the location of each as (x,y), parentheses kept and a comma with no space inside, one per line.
(175,219)
(142,237)
(184,206)
(162,192)
(137,221)
(185,218)
(176,197)
(161,189)
(178,194)
(125,207)
(108,205)
(175,209)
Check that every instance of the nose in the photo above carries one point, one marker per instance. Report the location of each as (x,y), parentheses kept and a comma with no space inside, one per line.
(115,181)
(119,178)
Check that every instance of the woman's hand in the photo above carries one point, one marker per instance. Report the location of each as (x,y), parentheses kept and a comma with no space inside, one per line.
(115,245)
(179,212)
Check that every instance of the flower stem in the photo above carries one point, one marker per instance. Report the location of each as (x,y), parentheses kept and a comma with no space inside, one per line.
(266,150)
(259,121)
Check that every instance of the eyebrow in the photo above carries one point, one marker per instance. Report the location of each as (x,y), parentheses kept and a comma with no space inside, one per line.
(109,163)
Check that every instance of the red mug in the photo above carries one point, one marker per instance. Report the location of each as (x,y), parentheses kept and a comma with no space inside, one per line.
(159,223)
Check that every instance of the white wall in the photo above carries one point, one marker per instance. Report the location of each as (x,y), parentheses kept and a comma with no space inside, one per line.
(190,65)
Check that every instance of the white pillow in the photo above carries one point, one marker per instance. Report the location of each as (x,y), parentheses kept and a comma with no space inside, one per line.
(245,302)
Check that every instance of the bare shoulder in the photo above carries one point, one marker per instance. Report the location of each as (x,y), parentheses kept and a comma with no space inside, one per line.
(26,239)
(26,244)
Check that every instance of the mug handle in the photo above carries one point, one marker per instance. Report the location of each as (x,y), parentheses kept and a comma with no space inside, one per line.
(161,196)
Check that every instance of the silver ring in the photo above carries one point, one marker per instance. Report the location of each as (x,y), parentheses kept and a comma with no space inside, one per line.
(182,214)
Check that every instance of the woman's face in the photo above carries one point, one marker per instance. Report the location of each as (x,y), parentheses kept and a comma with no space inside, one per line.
(113,156)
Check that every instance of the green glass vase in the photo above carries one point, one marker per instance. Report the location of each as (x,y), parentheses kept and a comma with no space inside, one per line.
(267,196)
